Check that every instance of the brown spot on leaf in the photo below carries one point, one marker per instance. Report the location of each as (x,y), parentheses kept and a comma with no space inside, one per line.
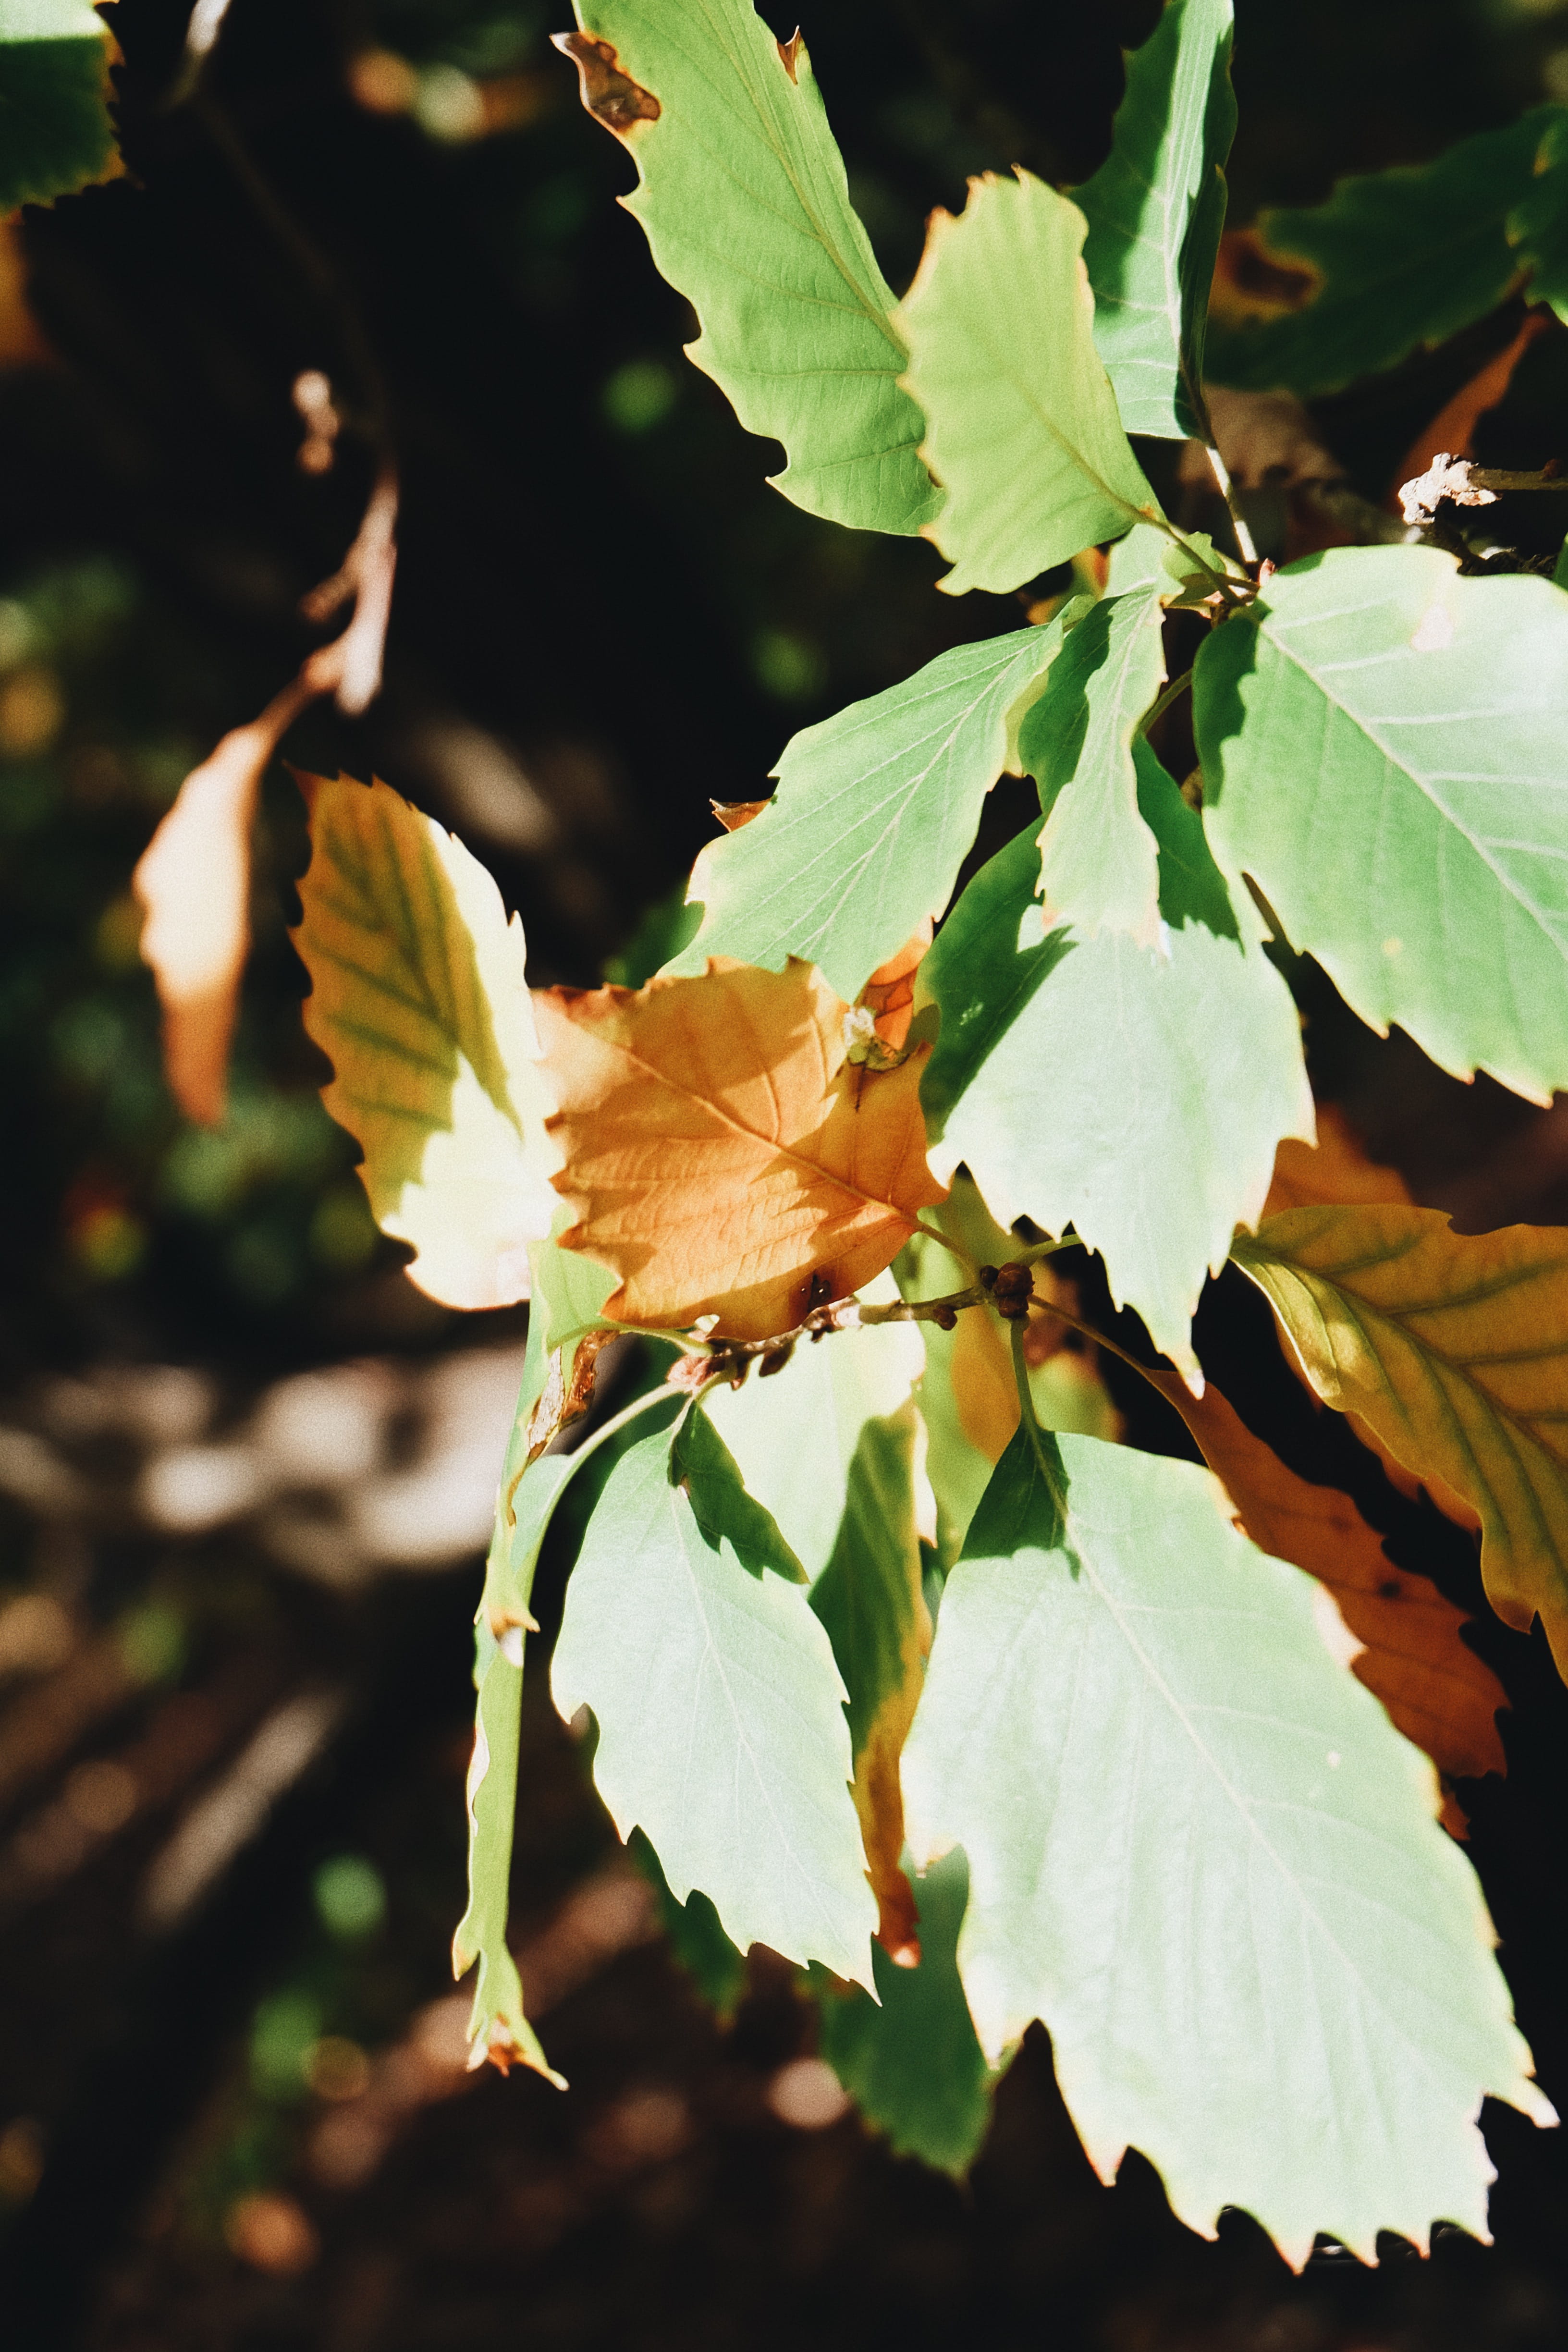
(565,1397)
(789,52)
(734,815)
(611,97)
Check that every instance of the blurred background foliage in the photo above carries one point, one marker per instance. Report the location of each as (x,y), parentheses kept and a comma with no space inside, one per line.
(604,619)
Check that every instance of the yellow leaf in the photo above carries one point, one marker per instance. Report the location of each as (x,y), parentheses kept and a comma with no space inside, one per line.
(721,1157)
(1337,1172)
(417,995)
(1434,1687)
(1453,1350)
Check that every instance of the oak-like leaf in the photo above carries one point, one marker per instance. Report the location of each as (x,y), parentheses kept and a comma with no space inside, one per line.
(1022,427)
(722,1157)
(1199,1852)
(744,199)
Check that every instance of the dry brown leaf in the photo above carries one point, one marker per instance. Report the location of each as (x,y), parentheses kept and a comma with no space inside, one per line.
(566,1395)
(1250,283)
(890,994)
(1435,1689)
(1266,440)
(734,815)
(721,1157)
(193,882)
(1338,1172)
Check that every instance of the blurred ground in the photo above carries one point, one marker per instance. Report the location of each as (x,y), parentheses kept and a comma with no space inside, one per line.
(245,1471)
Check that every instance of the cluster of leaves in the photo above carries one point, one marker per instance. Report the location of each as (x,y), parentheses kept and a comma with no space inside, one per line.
(980,1720)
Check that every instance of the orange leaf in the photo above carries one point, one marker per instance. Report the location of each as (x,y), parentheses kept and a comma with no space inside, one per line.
(722,1158)
(193,880)
(1336,1174)
(890,993)
(1453,429)
(1435,1689)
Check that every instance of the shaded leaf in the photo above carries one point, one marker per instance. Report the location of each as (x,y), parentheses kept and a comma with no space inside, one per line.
(418,998)
(1227,1912)
(1453,1349)
(875,813)
(696,1937)
(909,2060)
(721,1732)
(743,197)
(1537,227)
(54,98)
(870,1598)
(1156,209)
(1382,751)
(1404,260)
(725,1513)
(1098,860)
(1095,1083)
(720,1156)
(1436,1690)
(1022,428)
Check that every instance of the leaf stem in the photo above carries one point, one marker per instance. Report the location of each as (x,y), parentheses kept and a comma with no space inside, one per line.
(1172,693)
(1221,472)
(1030,1419)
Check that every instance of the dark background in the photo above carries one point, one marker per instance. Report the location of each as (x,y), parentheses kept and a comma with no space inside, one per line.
(604,619)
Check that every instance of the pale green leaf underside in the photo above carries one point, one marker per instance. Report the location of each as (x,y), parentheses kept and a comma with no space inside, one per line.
(745,206)
(1199,1852)
(875,813)
(1135,1096)
(795,1434)
(1406,258)
(1384,750)
(722,1727)
(1022,426)
(418,998)
(1099,860)
(1156,209)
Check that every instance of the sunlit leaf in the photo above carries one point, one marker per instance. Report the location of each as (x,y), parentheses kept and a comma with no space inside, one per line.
(1199,1852)
(1156,209)
(875,813)
(1454,1349)
(1336,1170)
(1099,860)
(722,1156)
(1093,1082)
(1404,258)
(1435,1689)
(1384,750)
(744,199)
(909,2060)
(722,1731)
(1022,427)
(419,999)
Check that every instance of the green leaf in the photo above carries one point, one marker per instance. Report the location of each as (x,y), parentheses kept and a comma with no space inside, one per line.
(1384,751)
(1201,1854)
(1022,427)
(1454,1348)
(909,2060)
(1156,209)
(702,1462)
(870,1598)
(814,1410)
(722,1731)
(743,200)
(1537,224)
(875,813)
(54,100)
(1405,258)
(419,997)
(1098,860)
(1137,1097)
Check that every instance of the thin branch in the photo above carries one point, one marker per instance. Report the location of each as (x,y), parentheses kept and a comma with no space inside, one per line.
(1221,473)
